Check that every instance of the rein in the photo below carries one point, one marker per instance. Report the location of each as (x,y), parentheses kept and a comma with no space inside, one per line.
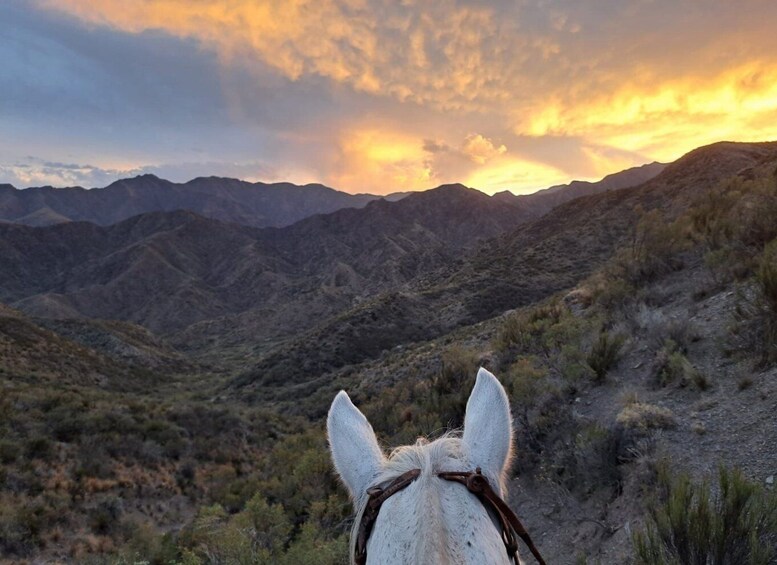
(475,482)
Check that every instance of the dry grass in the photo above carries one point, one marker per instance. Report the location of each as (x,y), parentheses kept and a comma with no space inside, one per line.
(642,416)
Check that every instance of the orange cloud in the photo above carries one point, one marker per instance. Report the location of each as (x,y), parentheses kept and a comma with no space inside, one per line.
(650,80)
(481,149)
(373,159)
(671,117)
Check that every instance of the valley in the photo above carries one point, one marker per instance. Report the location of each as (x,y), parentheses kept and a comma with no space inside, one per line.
(165,370)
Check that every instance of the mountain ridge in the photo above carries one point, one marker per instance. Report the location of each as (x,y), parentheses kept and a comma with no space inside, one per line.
(173,270)
(255,204)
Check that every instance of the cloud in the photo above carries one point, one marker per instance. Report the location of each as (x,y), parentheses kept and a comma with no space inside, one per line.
(381,95)
(33,171)
(481,149)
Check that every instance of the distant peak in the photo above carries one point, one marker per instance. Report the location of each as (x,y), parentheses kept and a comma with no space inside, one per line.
(452,186)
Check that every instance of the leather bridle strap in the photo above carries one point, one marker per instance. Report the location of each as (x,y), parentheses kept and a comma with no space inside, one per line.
(377,496)
(475,482)
(478,485)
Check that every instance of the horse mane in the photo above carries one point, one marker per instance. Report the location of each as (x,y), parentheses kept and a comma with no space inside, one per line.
(445,453)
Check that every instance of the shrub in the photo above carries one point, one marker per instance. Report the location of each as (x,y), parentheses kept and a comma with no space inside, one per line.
(39,448)
(613,292)
(671,366)
(595,458)
(654,249)
(734,222)
(525,329)
(9,451)
(451,385)
(734,523)
(711,215)
(260,534)
(755,326)
(661,330)
(105,516)
(605,354)
(549,332)
(757,211)
(641,416)
(525,381)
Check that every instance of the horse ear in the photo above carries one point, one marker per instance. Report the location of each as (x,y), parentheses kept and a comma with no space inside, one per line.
(355,451)
(488,428)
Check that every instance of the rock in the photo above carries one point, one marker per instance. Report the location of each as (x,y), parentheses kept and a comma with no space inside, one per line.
(770,480)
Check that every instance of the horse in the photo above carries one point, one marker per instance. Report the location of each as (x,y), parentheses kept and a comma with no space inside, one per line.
(411,506)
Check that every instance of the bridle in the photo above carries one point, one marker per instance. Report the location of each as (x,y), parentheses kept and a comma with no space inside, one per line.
(475,482)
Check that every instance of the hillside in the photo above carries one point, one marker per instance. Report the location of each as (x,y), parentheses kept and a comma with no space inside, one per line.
(106,355)
(229,200)
(634,331)
(521,267)
(197,280)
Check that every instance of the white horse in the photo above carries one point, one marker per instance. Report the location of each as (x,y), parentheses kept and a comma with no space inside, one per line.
(429,520)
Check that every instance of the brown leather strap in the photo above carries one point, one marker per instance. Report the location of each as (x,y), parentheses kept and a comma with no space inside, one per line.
(377,496)
(475,482)
(478,485)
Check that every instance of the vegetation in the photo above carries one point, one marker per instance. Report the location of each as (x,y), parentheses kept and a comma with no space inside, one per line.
(670,366)
(734,522)
(755,326)
(139,470)
(605,354)
(654,248)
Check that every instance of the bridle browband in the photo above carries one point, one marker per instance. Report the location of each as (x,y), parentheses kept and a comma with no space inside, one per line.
(475,482)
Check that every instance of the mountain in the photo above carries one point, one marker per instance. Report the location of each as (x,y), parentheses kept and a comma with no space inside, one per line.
(306,295)
(206,283)
(520,267)
(252,204)
(541,202)
(229,200)
(164,380)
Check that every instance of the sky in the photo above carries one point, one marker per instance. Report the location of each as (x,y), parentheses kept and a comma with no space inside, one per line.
(377,96)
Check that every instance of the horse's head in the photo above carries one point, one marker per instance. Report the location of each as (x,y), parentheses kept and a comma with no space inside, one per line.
(428,520)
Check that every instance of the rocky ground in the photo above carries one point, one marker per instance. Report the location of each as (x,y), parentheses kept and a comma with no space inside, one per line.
(732,423)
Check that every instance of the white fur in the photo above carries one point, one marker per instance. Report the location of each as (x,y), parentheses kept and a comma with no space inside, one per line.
(432,520)
(488,426)
(354,447)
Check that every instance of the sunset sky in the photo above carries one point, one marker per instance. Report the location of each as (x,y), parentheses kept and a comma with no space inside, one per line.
(377,96)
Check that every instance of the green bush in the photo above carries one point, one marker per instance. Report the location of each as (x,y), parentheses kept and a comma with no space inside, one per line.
(260,534)
(734,523)
(755,326)
(451,385)
(549,332)
(671,366)
(733,223)
(654,249)
(526,329)
(604,354)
